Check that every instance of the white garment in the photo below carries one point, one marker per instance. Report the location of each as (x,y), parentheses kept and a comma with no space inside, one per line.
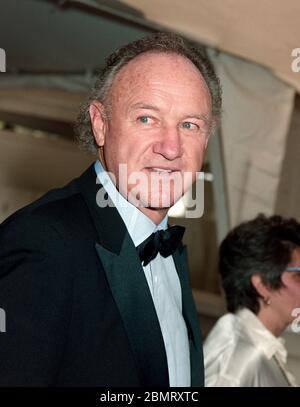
(256,116)
(163,282)
(241,351)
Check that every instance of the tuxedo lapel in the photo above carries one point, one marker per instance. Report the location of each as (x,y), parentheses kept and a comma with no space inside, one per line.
(190,317)
(128,285)
(132,296)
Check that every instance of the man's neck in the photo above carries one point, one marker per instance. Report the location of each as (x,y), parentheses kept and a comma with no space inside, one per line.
(156,215)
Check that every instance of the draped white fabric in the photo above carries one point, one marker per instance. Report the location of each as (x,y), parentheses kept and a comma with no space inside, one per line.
(265,32)
(257,109)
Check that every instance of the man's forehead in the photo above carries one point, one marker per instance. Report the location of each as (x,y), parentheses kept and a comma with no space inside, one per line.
(152,66)
(155,63)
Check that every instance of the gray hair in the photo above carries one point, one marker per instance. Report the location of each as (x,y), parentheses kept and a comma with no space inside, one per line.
(161,42)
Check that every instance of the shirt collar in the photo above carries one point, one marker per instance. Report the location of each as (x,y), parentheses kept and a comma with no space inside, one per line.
(261,336)
(139,226)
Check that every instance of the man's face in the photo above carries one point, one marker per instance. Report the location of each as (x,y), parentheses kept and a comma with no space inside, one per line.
(160,113)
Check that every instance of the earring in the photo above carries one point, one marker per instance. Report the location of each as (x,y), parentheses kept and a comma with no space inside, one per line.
(267,301)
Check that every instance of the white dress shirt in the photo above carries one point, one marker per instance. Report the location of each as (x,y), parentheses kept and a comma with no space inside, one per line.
(163,282)
(241,352)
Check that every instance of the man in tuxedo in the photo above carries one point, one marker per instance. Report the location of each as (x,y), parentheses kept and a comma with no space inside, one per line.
(93,282)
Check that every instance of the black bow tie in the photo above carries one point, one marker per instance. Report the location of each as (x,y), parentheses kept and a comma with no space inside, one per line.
(164,242)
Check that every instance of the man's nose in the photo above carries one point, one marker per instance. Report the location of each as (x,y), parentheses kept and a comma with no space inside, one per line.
(169,144)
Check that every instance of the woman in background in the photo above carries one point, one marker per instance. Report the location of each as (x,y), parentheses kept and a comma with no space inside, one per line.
(260,270)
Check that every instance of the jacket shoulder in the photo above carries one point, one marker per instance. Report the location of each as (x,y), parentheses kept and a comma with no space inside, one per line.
(57,208)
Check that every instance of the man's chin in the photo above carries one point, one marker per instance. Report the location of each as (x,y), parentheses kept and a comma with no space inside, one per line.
(156,203)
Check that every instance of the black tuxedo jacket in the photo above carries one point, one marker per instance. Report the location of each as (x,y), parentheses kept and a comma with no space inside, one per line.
(78,308)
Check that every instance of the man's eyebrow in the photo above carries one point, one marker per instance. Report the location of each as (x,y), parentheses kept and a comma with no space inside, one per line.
(141,105)
(198,116)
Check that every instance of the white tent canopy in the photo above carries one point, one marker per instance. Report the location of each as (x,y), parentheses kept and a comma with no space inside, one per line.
(264,32)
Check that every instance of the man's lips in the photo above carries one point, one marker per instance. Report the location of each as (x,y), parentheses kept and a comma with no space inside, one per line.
(163,169)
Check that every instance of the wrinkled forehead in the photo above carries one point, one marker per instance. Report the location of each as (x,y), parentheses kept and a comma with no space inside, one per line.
(167,80)
(166,68)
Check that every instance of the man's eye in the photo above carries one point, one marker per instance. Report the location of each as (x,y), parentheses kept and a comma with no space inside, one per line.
(144,119)
(190,126)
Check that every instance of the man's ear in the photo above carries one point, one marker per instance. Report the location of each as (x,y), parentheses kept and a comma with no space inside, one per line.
(98,121)
(263,290)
